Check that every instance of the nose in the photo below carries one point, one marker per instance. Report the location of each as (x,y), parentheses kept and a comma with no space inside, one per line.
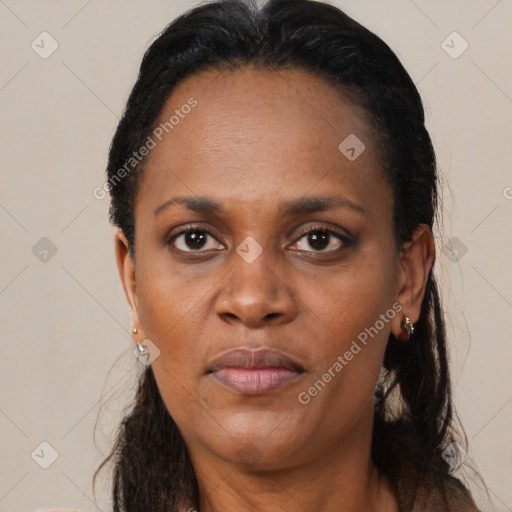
(256,292)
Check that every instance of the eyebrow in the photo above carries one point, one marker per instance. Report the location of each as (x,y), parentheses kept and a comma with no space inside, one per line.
(301,205)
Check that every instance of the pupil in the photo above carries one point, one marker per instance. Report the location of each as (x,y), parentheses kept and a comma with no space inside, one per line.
(319,241)
(195,239)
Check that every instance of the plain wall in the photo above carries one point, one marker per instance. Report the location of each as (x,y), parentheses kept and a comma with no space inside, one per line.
(64,321)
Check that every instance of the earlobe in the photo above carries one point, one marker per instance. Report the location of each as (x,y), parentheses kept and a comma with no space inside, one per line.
(126,268)
(416,262)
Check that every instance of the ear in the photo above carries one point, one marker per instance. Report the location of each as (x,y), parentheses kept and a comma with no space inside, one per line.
(416,260)
(126,268)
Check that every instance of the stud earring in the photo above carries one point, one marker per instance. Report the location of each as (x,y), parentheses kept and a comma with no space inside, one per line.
(135,331)
(408,327)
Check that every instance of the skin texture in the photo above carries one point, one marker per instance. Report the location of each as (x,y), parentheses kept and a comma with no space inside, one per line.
(256,139)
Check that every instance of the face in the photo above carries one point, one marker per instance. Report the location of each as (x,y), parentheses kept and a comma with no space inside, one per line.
(252,260)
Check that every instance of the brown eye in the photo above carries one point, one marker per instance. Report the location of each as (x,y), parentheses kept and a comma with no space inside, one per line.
(195,240)
(322,240)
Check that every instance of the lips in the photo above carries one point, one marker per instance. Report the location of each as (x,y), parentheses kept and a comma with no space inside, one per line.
(254,371)
(252,359)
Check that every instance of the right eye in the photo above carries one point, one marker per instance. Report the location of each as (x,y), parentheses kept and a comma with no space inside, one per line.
(194,239)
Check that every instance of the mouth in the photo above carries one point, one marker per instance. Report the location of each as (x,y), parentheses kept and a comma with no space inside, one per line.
(255,371)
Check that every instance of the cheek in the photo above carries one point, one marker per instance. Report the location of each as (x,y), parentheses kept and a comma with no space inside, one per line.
(166,300)
(351,317)
(349,300)
(173,307)
(172,314)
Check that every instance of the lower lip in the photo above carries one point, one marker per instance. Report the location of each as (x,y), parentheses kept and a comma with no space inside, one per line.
(255,382)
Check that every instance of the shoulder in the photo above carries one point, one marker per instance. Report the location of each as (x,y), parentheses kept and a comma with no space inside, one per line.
(425,491)
(448,496)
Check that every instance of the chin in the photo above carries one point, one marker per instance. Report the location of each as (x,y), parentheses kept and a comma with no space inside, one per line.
(256,449)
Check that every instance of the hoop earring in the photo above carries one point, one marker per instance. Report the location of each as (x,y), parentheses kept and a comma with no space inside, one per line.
(408,327)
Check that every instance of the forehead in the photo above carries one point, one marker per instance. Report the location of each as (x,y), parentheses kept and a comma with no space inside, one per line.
(258,131)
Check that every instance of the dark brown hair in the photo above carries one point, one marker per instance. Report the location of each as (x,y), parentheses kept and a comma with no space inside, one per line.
(413,405)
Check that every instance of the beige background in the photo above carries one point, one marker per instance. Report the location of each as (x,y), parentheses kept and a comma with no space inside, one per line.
(64,322)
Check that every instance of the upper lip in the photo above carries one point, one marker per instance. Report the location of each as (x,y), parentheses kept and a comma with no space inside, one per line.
(252,359)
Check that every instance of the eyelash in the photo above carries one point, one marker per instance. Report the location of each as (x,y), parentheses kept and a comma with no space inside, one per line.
(345,239)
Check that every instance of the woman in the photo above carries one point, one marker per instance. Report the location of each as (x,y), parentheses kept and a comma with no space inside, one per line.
(275,190)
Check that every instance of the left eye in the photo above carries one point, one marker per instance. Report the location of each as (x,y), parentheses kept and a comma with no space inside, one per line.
(322,240)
